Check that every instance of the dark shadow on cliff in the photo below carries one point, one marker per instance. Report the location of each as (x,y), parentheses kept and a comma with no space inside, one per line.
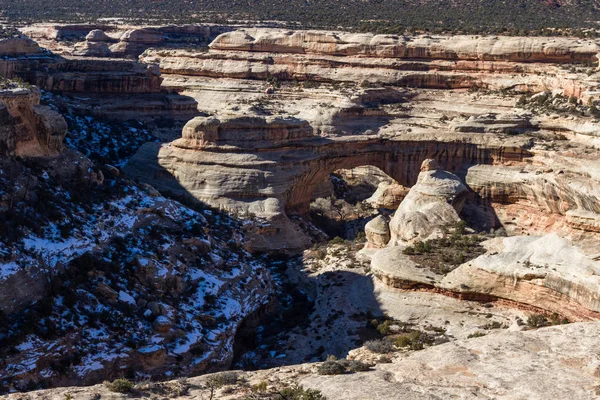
(300,304)
(478,212)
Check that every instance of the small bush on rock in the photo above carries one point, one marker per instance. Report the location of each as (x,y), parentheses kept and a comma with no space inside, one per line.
(380,346)
(358,366)
(299,393)
(331,368)
(223,379)
(120,385)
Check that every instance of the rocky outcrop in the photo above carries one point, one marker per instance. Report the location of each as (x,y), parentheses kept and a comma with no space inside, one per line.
(84,75)
(553,362)
(388,195)
(423,61)
(432,203)
(243,133)
(121,40)
(494,123)
(547,272)
(28,129)
(484,48)
(19,46)
(213,164)
(92,49)
(377,232)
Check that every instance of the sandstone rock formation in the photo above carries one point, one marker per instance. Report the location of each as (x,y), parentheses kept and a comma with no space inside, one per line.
(122,40)
(29,129)
(377,232)
(549,362)
(547,272)
(283,110)
(484,48)
(388,195)
(429,62)
(243,173)
(19,46)
(433,202)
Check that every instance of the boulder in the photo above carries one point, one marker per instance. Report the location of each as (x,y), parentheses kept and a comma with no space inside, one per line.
(377,232)
(162,324)
(98,35)
(388,195)
(92,49)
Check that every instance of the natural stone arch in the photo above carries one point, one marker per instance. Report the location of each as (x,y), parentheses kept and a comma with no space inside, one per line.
(401,160)
(269,166)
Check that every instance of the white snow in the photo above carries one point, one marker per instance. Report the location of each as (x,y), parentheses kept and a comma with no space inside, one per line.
(6,270)
(126,298)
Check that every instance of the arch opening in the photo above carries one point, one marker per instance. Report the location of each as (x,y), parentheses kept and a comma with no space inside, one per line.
(347,199)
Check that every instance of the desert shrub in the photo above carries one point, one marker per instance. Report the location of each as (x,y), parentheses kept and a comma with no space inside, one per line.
(537,320)
(422,247)
(337,240)
(260,387)
(223,379)
(541,320)
(331,368)
(408,250)
(476,335)
(413,340)
(460,227)
(297,392)
(120,385)
(380,346)
(384,328)
(357,366)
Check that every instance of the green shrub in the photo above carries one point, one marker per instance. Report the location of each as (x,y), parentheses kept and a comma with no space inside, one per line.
(413,340)
(541,320)
(357,366)
(337,240)
(260,387)
(297,392)
(408,250)
(384,328)
(460,227)
(120,385)
(476,335)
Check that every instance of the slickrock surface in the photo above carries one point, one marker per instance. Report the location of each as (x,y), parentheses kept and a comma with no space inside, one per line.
(547,272)
(553,362)
(547,363)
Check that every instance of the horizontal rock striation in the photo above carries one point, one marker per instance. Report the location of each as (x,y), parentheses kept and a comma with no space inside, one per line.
(84,75)
(493,62)
(28,129)
(485,48)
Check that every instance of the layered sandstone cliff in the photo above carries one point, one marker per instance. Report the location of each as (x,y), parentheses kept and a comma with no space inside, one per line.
(29,129)
(485,48)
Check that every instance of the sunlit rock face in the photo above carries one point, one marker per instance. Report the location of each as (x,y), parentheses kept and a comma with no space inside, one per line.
(432,203)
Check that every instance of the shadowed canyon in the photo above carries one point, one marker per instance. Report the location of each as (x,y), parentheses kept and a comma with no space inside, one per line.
(243,211)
